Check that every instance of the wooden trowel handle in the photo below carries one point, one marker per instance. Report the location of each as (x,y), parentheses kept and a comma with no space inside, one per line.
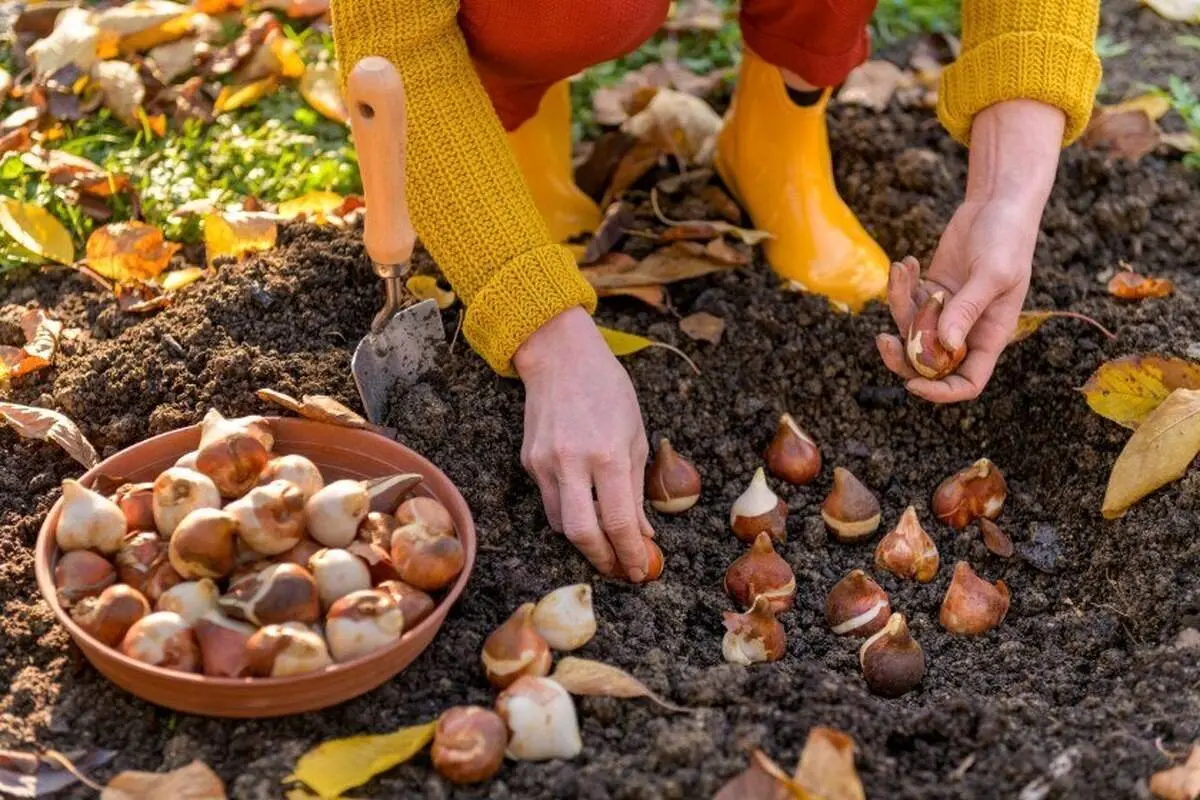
(377,117)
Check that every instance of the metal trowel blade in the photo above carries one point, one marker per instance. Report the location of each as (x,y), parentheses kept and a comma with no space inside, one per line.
(403,350)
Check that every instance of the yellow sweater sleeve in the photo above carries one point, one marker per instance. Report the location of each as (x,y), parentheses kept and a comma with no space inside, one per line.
(1033,49)
(469,203)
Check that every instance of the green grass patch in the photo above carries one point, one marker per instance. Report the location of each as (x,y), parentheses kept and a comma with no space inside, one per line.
(1186,104)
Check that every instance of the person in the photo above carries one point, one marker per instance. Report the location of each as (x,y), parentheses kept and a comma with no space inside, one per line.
(491,197)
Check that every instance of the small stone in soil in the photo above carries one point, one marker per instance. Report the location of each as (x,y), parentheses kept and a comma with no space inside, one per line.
(1044,548)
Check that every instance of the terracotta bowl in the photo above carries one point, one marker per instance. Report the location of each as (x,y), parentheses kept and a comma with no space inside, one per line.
(340,453)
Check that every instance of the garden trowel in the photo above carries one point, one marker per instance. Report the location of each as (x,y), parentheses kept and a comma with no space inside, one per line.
(402,343)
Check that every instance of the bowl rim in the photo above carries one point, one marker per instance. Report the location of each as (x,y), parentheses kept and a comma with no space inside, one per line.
(46,550)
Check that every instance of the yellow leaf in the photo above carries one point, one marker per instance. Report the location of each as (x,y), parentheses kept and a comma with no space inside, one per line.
(234,233)
(425,287)
(36,229)
(334,766)
(287,53)
(156,35)
(1029,321)
(1128,389)
(234,97)
(319,88)
(128,252)
(622,343)
(582,676)
(316,205)
(1178,10)
(176,279)
(1155,106)
(1159,452)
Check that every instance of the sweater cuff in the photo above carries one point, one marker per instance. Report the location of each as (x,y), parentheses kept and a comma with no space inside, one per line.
(528,292)
(1057,70)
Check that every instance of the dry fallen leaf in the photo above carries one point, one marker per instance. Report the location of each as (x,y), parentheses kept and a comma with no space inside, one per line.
(677,261)
(318,207)
(1127,389)
(618,219)
(703,326)
(425,287)
(1129,134)
(74,40)
(762,780)
(585,677)
(1178,10)
(176,279)
(129,251)
(1129,285)
(42,423)
(1157,453)
(277,55)
(235,233)
(653,296)
(41,342)
(239,96)
(76,172)
(872,84)
(633,164)
(826,768)
(612,105)
(193,782)
(1154,104)
(334,766)
(36,230)
(319,88)
(175,59)
(1029,321)
(677,123)
(123,90)
(33,775)
(1178,783)
(317,407)
(689,229)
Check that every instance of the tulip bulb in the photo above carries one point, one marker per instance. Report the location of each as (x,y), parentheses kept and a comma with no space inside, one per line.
(857,606)
(469,744)
(277,651)
(672,483)
(761,571)
(426,558)
(233,462)
(540,716)
(926,353)
(515,649)
(188,460)
(654,562)
(793,456)
(851,511)
(378,561)
(190,599)
(565,618)
(136,500)
(908,551)
(361,623)
(163,639)
(334,513)
(142,562)
(972,606)
(177,493)
(280,593)
(413,603)
(892,662)
(338,573)
(976,492)
(301,553)
(758,509)
(428,511)
(754,636)
(377,528)
(82,573)
(216,426)
(224,651)
(296,470)
(88,520)
(204,544)
(109,616)
(270,518)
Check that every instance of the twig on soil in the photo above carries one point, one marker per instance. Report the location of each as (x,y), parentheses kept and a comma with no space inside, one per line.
(961,770)
(457,330)
(65,763)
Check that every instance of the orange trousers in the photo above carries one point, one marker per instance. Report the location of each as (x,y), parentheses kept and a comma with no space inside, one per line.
(521,49)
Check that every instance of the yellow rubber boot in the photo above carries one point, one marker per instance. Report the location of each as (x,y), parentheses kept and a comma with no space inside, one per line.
(543,150)
(774,155)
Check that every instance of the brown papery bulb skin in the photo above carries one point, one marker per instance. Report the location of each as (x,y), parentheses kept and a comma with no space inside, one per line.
(414,604)
(378,561)
(377,529)
(361,623)
(204,545)
(296,470)
(280,593)
(427,511)
(223,644)
(851,511)
(758,510)
(277,651)
(761,571)
(908,551)
(109,616)
(753,637)
(793,455)
(426,558)
(233,462)
(515,649)
(137,501)
(301,554)
(994,539)
(469,744)
(143,564)
(925,351)
(163,639)
(972,606)
(82,573)
(215,426)
(857,606)
(672,483)
(892,662)
(654,562)
(270,518)
(975,492)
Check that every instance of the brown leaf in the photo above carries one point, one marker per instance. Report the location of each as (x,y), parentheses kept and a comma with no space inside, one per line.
(193,782)
(176,59)
(233,55)
(692,229)
(703,327)
(726,253)
(129,251)
(15,140)
(762,780)
(1126,390)
(75,172)
(594,678)
(826,768)
(317,407)
(319,88)
(612,105)
(1128,134)
(41,341)
(140,298)
(1129,285)
(1178,783)
(595,172)
(30,775)
(721,203)
(687,81)
(872,84)
(1029,321)
(994,539)
(678,261)
(677,123)
(1158,453)
(123,90)
(42,423)
(617,220)
(653,296)
(636,162)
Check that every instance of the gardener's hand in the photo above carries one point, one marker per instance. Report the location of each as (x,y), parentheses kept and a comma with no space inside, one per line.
(583,429)
(985,256)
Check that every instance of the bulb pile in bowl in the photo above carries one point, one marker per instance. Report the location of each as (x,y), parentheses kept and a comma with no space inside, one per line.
(237,562)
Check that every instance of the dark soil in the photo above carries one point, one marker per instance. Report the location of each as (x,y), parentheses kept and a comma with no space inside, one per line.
(1082,688)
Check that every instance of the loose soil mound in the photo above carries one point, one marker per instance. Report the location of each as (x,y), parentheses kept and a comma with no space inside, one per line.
(1083,674)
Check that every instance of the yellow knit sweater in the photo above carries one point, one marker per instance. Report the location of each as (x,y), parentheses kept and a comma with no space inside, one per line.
(470,205)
